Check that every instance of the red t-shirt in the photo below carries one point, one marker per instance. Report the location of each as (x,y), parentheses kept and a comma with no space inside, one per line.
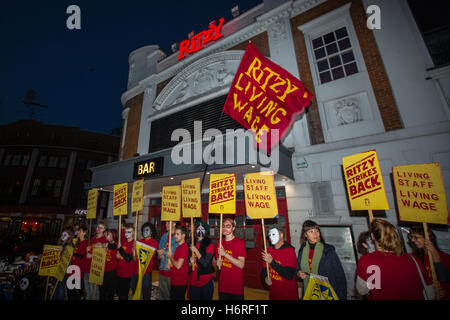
(125,269)
(231,279)
(81,249)
(399,278)
(152,243)
(310,258)
(111,260)
(445,259)
(204,278)
(282,288)
(179,277)
(94,240)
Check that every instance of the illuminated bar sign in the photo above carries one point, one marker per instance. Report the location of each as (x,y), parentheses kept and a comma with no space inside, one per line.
(197,41)
(147,168)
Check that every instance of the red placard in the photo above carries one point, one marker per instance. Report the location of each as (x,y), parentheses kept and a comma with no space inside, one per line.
(264,96)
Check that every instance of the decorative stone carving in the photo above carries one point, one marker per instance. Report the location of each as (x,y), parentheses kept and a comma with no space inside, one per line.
(223,75)
(347,111)
(278,31)
(203,80)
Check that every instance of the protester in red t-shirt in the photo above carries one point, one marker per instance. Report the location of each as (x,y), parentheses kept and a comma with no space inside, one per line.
(179,269)
(147,230)
(109,278)
(99,241)
(202,283)
(79,260)
(441,260)
(282,265)
(231,262)
(126,264)
(389,273)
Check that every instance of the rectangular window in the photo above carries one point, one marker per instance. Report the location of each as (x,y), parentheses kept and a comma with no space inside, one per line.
(16,159)
(35,188)
(42,161)
(52,161)
(334,56)
(25,160)
(57,188)
(62,162)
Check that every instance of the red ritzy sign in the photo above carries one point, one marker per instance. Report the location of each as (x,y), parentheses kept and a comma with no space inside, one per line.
(264,97)
(200,39)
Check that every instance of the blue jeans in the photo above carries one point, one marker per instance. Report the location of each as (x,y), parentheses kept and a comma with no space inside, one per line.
(60,292)
(146,290)
(202,293)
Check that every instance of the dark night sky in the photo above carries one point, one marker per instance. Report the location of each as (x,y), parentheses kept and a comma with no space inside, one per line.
(81,74)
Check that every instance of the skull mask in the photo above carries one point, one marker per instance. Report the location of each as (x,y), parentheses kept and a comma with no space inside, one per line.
(24,283)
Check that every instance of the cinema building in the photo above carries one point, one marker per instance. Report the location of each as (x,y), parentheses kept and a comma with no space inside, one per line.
(386,89)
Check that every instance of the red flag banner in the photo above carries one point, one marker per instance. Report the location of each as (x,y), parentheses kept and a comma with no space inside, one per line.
(264,96)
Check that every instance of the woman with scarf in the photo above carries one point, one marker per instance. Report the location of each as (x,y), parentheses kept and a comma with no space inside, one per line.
(317,257)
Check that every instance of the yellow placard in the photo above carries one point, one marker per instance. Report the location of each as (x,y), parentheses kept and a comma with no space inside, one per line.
(191,198)
(421,193)
(64,262)
(120,203)
(171,203)
(260,195)
(222,193)
(97,266)
(49,261)
(137,197)
(319,288)
(144,255)
(91,212)
(364,181)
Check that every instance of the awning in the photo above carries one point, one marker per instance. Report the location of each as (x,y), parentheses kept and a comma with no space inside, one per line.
(159,169)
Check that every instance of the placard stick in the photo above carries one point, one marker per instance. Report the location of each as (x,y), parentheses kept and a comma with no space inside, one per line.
(430,257)
(54,289)
(169,239)
(120,229)
(95,292)
(370,216)
(135,226)
(46,287)
(192,238)
(265,246)
(220,235)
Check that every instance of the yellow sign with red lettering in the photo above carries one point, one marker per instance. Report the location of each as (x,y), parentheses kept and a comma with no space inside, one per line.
(49,261)
(421,193)
(120,202)
(364,181)
(260,196)
(97,266)
(191,198)
(91,212)
(222,193)
(137,196)
(171,203)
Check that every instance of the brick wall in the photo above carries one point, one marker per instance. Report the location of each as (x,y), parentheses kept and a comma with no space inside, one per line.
(375,67)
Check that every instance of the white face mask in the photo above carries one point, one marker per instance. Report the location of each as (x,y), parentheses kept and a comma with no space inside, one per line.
(128,234)
(146,232)
(200,232)
(274,236)
(64,236)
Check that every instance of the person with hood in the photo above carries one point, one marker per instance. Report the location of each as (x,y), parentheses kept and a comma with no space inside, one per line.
(317,257)
(282,265)
(202,282)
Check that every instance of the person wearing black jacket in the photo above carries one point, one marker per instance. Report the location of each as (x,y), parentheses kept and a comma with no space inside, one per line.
(202,283)
(282,265)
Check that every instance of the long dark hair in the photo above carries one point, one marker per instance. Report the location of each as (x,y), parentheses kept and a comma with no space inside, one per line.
(308,225)
(420,252)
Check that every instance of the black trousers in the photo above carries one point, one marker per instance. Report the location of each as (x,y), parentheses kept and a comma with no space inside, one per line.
(109,286)
(177,292)
(123,287)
